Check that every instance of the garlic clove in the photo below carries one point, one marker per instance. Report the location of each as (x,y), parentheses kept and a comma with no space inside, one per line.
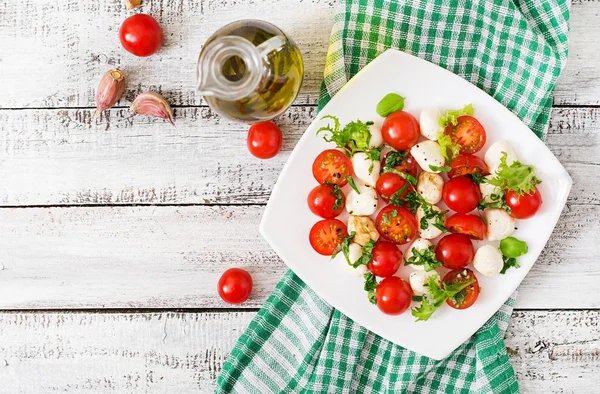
(131,4)
(153,104)
(110,90)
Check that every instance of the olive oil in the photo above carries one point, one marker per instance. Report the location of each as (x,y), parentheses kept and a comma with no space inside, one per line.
(266,87)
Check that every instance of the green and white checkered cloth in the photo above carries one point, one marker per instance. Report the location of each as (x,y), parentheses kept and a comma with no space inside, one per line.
(297,343)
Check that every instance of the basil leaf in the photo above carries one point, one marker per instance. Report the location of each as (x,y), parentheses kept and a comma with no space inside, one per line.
(512,247)
(440,169)
(391,103)
(352,184)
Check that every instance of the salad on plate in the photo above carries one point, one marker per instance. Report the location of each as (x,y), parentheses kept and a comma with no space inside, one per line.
(418,193)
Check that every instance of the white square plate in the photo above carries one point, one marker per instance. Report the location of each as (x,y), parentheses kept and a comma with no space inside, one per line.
(287,219)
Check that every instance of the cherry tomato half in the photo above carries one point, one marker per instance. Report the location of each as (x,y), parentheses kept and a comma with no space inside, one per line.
(264,140)
(400,130)
(461,194)
(332,166)
(393,295)
(471,292)
(235,286)
(467,164)
(141,35)
(470,225)
(468,133)
(396,224)
(326,235)
(454,251)
(322,200)
(387,258)
(525,205)
(408,165)
(389,183)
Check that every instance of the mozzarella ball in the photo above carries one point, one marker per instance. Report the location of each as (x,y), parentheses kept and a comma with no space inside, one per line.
(499,224)
(354,253)
(431,231)
(487,190)
(430,123)
(363,204)
(364,228)
(365,169)
(430,186)
(417,280)
(428,153)
(494,154)
(376,137)
(488,260)
(418,244)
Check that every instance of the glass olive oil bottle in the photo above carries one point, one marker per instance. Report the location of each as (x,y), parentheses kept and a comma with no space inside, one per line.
(250,71)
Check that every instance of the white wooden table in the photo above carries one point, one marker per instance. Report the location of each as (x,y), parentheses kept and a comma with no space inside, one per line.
(113,232)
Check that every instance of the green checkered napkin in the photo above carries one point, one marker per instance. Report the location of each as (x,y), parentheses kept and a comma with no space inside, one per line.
(514,50)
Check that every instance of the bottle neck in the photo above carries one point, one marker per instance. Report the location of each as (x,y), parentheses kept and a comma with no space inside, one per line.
(229,68)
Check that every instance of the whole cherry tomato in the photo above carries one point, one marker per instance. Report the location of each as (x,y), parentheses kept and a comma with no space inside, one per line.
(393,295)
(461,194)
(326,201)
(400,130)
(141,35)
(389,184)
(455,251)
(235,286)
(264,140)
(525,205)
(387,258)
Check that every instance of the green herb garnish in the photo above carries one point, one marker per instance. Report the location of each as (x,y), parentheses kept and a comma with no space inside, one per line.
(354,137)
(451,116)
(424,258)
(438,295)
(496,200)
(391,103)
(411,179)
(344,247)
(352,184)
(517,177)
(370,287)
(440,169)
(367,254)
(449,148)
(339,198)
(512,248)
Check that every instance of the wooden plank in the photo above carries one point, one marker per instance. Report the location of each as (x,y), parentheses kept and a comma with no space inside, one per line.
(63,47)
(551,352)
(172,257)
(56,157)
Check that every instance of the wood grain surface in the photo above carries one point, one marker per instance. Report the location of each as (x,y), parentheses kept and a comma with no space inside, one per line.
(63,47)
(551,351)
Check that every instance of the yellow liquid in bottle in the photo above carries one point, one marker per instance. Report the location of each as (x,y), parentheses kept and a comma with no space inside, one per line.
(280,82)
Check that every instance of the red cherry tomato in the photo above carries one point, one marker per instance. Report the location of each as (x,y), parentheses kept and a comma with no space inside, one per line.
(389,183)
(326,235)
(393,295)
(396,224)
(332,166)
(454,251)
(525,205)
(235,286)
(264,140)
(461,194)
(470,225)
(468,133)
(387,258)
(322,199)
(471,292)
(141,35)
(467,164)
(400,130)
(408,165)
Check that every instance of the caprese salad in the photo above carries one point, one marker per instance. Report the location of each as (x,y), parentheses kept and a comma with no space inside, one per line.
(412,166)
